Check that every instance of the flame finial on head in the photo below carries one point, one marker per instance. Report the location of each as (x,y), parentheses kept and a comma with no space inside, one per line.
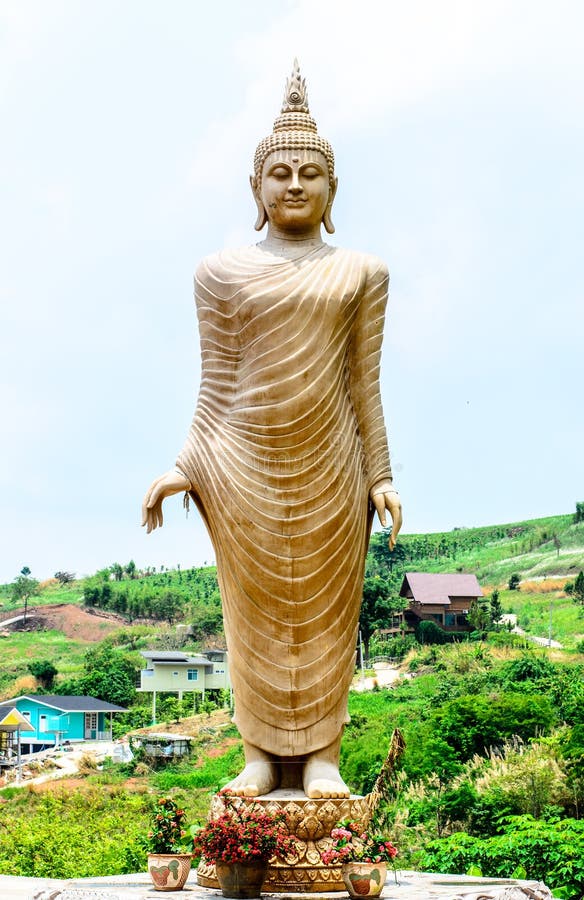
(295,95)
(294,129)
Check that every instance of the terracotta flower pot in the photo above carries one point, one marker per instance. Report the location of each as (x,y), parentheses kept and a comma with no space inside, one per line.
(364,879)
(169,871)
(241,880)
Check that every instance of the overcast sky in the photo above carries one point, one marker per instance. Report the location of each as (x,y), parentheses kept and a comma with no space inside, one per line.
(127,133)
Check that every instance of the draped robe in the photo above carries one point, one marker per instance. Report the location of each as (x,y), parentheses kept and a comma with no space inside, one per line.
(286,442)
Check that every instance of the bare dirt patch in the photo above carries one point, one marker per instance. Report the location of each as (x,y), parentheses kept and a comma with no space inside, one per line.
(67,785)
(219,751)
(191,725)
(73,621)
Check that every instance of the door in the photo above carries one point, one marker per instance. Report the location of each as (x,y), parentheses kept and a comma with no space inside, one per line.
(90,726)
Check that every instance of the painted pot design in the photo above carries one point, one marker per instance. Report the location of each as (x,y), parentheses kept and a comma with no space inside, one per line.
(364,879)
(169,871)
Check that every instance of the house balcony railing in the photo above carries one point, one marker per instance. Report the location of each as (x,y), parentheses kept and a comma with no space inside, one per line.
(98,735)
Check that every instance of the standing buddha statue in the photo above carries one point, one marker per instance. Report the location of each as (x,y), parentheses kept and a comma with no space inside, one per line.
(287,458)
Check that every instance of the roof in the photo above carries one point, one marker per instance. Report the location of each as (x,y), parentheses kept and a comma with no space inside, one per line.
(66,703)
(172,657)
(165,655)
(438,589)
(13,720)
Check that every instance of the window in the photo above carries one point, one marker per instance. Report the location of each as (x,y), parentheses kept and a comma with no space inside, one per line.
(26,714)
(449,619)
(175,673)
(42,723)
(437,617)
(219,671)
(192,674)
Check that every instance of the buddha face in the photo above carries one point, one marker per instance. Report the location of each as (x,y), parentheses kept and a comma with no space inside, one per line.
(295,190)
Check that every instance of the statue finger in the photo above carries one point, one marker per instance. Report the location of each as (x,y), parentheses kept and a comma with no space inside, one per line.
(379,503)
(397,518)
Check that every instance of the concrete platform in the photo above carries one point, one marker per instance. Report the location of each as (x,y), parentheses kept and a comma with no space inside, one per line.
(411,886)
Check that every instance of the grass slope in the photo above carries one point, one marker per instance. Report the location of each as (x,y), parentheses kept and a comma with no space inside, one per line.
(545,553)
(494,553)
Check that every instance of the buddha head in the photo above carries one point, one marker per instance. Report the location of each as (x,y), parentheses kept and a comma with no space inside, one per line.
(294,181)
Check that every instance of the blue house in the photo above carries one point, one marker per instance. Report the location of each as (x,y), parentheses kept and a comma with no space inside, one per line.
(55,719)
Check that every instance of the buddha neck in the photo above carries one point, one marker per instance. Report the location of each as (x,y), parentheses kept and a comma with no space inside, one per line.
(277,241)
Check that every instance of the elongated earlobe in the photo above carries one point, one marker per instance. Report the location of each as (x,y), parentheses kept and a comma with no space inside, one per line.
(262,217)
(326,218)
(327,221)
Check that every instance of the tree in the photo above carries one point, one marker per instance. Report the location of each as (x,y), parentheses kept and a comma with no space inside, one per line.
(514,582)
(167,606)
(579,514)
(130,569)
(495,608)
(578,589)
(65,577)
(44,671)
(375,608)
(557,543)
(171,709)
(23,588)
(206,619)
(479,615)
(117,571)
(108,674)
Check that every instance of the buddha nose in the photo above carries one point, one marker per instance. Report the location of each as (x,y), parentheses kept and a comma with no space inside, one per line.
(295,186)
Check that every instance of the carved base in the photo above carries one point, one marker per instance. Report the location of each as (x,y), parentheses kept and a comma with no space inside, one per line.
(311,822)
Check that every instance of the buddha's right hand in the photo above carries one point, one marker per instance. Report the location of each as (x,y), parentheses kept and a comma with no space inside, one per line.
(172,482)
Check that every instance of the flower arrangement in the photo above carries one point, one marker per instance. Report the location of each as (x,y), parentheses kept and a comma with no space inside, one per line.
(352,844)
(243,833)
(167,831)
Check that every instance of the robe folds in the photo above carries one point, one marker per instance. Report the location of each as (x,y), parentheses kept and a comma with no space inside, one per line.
(286,442)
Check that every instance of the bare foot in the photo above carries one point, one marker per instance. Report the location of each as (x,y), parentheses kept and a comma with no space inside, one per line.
(260,775)
(321,778)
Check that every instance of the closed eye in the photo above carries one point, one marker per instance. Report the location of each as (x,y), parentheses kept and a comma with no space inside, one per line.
(280,172)
(311,172)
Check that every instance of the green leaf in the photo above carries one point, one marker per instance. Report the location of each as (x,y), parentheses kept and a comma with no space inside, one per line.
(474,870)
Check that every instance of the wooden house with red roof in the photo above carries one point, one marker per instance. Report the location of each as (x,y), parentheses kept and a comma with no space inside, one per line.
(442,598)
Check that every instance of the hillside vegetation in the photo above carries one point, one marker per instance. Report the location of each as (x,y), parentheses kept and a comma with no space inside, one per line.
(544,555)
(538,548)
(492,775)
(493,771)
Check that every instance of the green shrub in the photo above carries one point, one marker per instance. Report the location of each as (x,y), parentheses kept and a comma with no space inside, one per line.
(214,773)
(471,724)
(548,851)
(72,834)
(528,667)
(428,632)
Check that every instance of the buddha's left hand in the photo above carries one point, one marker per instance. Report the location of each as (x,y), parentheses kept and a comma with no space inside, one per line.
(385,497)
